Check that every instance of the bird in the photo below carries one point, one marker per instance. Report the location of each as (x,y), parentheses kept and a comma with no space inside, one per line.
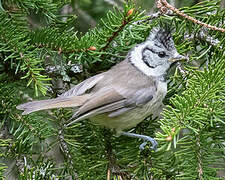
(126,94)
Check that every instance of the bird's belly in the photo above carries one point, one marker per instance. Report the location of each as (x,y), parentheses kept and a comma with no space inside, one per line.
(133,117)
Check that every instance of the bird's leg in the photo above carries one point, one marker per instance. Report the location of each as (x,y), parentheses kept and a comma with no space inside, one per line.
(145,138)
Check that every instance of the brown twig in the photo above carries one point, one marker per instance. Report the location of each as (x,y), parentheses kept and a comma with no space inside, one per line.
(115,34)
(163,5)
(108,174)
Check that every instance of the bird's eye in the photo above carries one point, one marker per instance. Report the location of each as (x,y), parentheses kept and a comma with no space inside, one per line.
(162,54)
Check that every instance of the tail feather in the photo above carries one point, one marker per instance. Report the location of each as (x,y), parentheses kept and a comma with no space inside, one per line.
(60,102)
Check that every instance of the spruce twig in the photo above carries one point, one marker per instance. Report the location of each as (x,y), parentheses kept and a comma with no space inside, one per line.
(199,158)
(116,33)
(65,149)
(163,5)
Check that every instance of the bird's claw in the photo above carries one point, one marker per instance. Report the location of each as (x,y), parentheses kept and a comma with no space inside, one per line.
(145,138)
(153,142)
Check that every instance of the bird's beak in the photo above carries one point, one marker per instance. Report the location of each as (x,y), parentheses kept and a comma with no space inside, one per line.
(177,57)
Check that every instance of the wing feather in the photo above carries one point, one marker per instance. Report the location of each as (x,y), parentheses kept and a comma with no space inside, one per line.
(112,102)
(84,86)
(104,109)
(101,98)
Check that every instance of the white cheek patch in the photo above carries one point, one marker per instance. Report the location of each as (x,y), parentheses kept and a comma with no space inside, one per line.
(136,60)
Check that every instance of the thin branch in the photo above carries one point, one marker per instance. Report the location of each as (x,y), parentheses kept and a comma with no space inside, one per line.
(115,34)
(199,158)
(108,174)
(65,149)
(163,5)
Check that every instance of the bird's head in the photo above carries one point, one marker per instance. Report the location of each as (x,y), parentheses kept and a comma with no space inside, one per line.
(154,56)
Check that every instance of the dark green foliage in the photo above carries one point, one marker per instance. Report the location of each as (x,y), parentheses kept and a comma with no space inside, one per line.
(34,36)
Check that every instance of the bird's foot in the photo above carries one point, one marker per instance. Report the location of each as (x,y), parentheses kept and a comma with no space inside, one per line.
(145,138)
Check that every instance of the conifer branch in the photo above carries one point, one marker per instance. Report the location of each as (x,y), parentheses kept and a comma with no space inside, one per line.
(199,158)
(65,150)
(195,112)
(127,19)
(163,5)
(203,35)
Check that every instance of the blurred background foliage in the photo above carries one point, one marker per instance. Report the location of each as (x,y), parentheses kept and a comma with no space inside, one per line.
(47,46)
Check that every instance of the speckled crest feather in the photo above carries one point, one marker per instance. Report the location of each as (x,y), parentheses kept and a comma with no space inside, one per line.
(162,36)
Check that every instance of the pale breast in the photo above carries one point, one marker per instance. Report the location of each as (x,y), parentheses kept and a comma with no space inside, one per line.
(133,117)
